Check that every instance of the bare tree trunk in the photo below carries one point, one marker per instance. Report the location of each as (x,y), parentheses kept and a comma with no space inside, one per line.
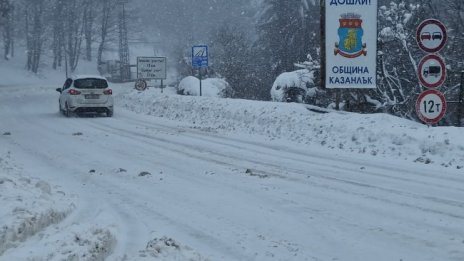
(38,27)
(106,13)
(89,18)
(5,21)
(58,35)
(28,40)
(34,30)
(12,30)
(7,38)
(73,33)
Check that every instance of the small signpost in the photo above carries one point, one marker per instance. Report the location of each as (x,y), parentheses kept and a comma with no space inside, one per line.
(150,68)
(431,37)
(431,106)
(200,58)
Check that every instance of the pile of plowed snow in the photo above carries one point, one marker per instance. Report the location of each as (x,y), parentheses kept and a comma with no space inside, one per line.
(31,214)
(375,134)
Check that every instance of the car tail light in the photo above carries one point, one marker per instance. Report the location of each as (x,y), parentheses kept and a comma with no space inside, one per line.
(108,92)
(74,92)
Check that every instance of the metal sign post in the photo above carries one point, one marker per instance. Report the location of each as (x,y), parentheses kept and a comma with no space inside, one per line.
(461,100)
(200,59)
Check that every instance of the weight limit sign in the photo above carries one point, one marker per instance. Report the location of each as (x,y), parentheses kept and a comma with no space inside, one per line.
(431,106)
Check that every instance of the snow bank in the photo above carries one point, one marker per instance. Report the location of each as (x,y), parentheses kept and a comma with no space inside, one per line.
(28,205)
(211,87)
(33,208)
(169,250)
(376,134)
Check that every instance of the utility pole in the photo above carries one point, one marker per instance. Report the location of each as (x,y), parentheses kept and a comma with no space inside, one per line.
(461,99)
(124,65)
(323,50)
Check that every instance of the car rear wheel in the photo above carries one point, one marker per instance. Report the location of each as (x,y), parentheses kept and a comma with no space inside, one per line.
(67,112)
(109,113)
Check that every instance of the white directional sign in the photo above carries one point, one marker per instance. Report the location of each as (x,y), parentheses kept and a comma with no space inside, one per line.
(151,68)
(432,71)
(351,43)
(431,36)
(431,106)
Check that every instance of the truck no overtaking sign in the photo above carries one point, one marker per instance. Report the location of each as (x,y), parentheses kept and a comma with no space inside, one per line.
(432,71)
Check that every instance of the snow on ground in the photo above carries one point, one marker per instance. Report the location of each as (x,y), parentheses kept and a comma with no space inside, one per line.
(31,210)
(14,73)
(28,205)
(174,177)
(379,135)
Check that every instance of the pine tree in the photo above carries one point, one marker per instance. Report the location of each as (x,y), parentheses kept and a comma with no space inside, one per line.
(231,58)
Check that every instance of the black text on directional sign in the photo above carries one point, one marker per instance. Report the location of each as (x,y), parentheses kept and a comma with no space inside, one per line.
(151,68)
(431,35)
(431,106)
(432,71)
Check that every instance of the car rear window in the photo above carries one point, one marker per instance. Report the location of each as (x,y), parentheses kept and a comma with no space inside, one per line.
(90,83)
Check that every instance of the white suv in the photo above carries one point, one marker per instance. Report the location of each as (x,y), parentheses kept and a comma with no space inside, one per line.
(86,93)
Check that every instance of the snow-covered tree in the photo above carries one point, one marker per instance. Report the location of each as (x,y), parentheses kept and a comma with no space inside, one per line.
(287,32)
(398,55)
(7,26)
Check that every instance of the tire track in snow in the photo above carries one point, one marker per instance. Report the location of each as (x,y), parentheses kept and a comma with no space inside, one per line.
(263,168)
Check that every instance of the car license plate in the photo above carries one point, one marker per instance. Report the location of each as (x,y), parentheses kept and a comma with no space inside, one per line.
(92,96)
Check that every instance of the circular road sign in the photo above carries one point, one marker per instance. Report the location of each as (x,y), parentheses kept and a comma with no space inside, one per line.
(141,85)
(431,106)
(432,71)
(431,35)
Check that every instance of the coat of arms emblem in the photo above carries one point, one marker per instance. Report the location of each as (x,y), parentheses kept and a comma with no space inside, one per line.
(350,33)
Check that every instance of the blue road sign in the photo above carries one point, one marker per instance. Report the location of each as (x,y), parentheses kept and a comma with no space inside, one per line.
(200,56)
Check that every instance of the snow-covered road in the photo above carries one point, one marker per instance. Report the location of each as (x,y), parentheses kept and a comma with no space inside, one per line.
(137,187)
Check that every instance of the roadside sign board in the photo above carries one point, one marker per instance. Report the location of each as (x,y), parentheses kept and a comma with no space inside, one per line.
(431,36)
(432,71)
(351,44)
(431,106)
(200,56)
(151,68)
